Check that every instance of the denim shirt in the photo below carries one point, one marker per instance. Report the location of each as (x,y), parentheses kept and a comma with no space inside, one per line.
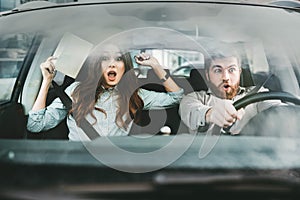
(53,114)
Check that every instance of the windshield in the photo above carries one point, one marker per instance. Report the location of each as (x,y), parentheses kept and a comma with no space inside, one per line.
(134,86)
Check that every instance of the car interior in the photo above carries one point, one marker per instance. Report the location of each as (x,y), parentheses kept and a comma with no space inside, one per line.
(256,164)
(151,120)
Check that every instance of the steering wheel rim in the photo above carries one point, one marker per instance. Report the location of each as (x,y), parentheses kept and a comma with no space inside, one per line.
(262,96)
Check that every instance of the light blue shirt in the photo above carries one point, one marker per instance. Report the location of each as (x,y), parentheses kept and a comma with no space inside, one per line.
(53,114)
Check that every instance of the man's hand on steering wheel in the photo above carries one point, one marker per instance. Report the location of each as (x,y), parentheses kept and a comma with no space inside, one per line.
(224,114)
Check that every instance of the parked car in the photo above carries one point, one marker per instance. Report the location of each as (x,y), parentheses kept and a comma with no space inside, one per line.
(262,162)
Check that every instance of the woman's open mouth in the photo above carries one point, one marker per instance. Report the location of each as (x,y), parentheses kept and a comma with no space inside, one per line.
(111,75)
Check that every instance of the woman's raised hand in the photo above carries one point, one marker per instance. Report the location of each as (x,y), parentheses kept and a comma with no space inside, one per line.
(147,60)
(48,69)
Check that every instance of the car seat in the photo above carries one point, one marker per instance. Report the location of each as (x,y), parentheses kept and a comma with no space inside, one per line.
(273,83)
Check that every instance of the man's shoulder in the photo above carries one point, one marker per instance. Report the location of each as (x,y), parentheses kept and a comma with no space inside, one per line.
(201,92)
(196,94)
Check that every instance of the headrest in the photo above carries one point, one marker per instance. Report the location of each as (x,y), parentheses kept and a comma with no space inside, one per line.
(197,79)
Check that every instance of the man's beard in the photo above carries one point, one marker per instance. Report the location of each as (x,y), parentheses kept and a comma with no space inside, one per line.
(224,94)
(233,92)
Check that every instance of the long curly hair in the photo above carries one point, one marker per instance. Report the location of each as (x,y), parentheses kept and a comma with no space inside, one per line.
(86,94)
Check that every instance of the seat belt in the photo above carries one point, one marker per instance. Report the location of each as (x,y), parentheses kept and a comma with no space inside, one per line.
(259,86)
(66,100)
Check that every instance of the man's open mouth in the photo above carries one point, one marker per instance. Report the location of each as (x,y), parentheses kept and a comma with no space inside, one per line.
(226,86)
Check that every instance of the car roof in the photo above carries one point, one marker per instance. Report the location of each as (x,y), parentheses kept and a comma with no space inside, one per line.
(32,5)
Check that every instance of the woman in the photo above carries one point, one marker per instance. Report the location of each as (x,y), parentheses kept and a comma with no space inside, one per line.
(110,103)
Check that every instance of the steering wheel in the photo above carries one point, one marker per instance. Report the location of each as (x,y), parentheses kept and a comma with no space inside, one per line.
(262,96)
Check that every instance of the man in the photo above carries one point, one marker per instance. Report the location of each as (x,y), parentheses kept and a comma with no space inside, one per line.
(202,110)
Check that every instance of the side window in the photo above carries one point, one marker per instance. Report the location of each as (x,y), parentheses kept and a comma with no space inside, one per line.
(13,49)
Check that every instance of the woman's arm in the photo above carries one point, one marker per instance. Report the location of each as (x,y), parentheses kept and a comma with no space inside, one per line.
(41,118)
(48,72)
(158,100)
(168,82)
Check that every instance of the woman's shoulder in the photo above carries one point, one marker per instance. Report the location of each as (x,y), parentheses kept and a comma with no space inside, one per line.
(71,88)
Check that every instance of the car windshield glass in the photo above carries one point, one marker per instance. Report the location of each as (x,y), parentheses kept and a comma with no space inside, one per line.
(131,80)
(179,40)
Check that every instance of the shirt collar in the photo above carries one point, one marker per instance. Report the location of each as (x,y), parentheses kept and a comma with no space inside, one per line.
(111,89)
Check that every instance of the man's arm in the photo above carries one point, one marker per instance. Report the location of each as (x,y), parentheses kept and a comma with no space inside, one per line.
(198,115)
(192,111)
(223,113)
